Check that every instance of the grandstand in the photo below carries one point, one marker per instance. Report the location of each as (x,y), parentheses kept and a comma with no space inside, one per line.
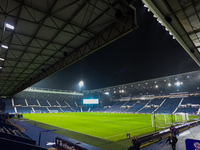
(186,99)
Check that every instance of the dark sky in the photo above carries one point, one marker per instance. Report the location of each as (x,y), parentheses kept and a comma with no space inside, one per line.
(146,53)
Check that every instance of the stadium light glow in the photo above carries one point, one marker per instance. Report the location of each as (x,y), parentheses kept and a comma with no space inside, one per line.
(10,26)
(2,59)
(81,83)
(178,83)
(0,67)
(4,46)
(156,86)
(107,93)
(169,84)
(146,6)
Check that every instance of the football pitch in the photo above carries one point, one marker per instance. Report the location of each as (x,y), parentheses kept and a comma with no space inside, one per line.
(108,126)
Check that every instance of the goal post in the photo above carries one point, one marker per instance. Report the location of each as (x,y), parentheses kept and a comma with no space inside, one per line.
(181,117)
(36,111)
(53,111)
(159,120)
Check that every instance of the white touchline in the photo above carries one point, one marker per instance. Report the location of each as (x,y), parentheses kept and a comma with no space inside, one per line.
(126,132)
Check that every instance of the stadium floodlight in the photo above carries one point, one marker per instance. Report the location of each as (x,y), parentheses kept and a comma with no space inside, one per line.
(156,86)
(10,26)
(146,6)
(154,16)
(178,83)
(2,59)
(148,10)
(107,93)
(4,46)
(0,67)
(169,84)
(81,83)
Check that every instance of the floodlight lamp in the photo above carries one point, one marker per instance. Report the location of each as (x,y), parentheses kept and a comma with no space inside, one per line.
(169,84)
(2,59)
(107,93)
(0,67)
(178,83)
(156,86)
(154,16)
(148,10)
(81,83)
(146,6)
(10,26)
(4,46)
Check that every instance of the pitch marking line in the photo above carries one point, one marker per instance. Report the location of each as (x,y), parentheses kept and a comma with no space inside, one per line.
(124,133)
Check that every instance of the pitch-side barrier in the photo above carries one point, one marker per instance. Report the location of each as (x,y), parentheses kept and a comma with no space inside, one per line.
(154,137)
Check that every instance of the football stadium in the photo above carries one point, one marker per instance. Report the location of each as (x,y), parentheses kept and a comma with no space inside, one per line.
(40,38)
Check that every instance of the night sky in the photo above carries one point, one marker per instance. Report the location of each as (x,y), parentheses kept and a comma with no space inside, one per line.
(146,53)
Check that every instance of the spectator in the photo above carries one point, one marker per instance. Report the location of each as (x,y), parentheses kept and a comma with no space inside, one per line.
(137,144)
(172,140)
(133,140)
(174,132)
(171,129)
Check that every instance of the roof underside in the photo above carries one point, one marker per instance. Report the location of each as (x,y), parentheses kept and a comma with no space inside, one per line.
(49,35)
(182,19)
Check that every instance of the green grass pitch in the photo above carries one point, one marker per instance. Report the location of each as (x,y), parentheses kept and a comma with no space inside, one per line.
(108,126)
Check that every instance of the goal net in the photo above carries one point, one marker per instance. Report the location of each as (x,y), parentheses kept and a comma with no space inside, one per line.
(36,111)
(53,111)
(181,117)
(161,120)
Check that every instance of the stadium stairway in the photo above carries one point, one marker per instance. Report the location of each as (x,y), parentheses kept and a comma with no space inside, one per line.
(191,133)
(33,131)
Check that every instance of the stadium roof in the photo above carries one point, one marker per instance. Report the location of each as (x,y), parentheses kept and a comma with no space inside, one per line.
(182,19)
(41,37)
(180,83)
